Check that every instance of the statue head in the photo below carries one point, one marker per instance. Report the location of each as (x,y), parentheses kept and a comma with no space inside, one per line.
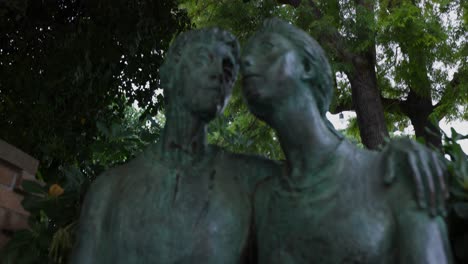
(199,71)
(280,54)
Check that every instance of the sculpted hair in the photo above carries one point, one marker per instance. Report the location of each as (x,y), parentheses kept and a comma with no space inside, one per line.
(169,69)
(314,61)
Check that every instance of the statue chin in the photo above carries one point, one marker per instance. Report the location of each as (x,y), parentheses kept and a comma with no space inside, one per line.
(208,114)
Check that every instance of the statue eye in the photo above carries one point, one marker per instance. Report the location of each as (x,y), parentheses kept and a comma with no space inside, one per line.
(268,45)
(203,58)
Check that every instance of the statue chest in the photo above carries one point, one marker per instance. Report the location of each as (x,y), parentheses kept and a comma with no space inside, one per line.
(179,216)
(330,230)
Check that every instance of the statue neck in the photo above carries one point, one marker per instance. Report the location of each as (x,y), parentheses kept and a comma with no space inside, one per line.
(305,138)
(183,134)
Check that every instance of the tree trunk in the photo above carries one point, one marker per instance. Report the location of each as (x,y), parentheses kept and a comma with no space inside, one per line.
(418,108)
(367,103)
(363,79)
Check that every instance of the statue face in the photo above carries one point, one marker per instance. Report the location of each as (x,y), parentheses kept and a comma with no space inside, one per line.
(270,67)
(206,78)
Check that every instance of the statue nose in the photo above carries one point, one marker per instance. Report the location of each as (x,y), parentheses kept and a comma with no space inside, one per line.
(221,68)
(247,62)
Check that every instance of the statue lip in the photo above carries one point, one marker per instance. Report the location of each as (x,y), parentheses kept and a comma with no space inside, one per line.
(250,91)
(250,75)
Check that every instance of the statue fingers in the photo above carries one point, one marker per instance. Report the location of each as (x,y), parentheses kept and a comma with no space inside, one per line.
(441,186)
(429,183)
(418,181)
(390,172)
(443,174)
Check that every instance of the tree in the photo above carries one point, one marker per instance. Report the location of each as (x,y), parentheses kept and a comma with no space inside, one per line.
(359,37)
(424,41)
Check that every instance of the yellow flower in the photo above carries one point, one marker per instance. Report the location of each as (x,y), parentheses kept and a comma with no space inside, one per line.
(55,190)
(83,121)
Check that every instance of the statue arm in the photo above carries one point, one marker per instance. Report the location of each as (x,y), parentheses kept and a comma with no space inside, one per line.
(427,170)
(255,169)
(420,237)
(264,170)
(85,249)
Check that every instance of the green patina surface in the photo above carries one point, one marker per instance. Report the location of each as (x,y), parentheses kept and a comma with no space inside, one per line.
(330,206)
(180,201)
(183,201)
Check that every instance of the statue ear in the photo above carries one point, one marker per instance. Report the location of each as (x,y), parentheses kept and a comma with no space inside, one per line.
(307,73)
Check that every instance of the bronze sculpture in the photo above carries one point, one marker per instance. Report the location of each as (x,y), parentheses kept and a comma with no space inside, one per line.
(330,206)
(181,200)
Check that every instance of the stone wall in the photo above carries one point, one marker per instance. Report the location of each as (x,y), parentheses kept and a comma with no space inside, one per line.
(15,166)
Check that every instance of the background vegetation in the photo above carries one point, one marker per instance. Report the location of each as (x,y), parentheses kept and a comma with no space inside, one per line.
(79,82)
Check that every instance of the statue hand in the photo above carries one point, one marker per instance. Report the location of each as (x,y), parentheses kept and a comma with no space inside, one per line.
(427,168)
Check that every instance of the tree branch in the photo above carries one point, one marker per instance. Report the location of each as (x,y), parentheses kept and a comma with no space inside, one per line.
(394,106)
(449,98)
(337,43)
(450,90)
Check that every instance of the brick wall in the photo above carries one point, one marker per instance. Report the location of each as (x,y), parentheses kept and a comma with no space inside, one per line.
(15,166)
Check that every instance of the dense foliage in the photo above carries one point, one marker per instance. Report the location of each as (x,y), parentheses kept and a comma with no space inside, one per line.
(66,64)
(70,72)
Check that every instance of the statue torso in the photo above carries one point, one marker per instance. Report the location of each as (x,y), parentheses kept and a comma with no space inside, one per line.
(160,212)
(335,220)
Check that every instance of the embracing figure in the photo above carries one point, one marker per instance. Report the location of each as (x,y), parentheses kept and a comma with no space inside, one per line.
(180,201)
(184,201)
(330,205)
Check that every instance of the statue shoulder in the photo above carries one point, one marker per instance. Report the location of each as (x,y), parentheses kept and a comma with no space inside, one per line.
(254,162)
(251,168)
(105,183)
(102,185)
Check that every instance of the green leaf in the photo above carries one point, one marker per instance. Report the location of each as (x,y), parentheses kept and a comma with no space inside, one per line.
(33,187)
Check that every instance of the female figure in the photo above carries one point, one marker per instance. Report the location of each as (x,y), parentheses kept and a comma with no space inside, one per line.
(330,205)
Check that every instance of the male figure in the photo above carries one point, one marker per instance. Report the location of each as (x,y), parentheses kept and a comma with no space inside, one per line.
(330,206)
(181,201)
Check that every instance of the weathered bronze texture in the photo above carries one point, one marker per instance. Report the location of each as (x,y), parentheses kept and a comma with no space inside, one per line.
(330,206)
(183,201)
(180,201)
